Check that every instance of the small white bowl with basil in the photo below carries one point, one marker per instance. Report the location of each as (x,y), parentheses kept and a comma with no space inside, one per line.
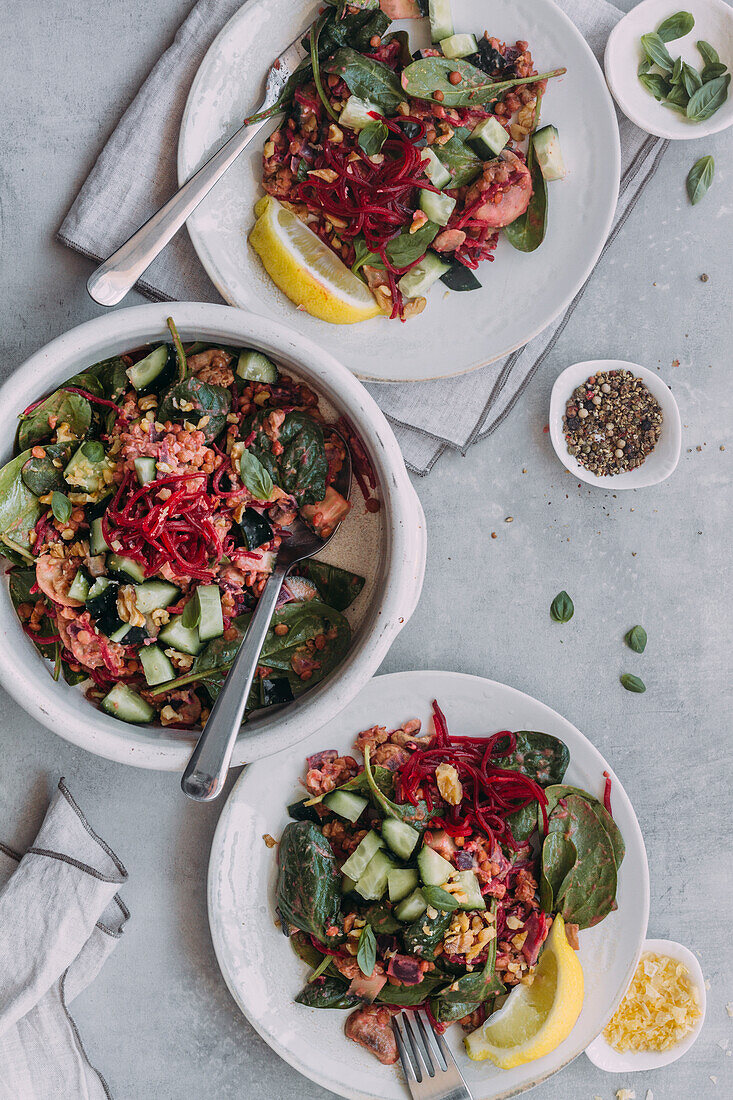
(676,82)
(662,460)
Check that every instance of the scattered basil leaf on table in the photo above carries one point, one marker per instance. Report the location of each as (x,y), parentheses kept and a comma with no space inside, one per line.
(676,26)
(372,137)
(657,52)
(562,608)
(633,683)
(366,955)
(699,178)
(636,639)
(439,899)
(708,99)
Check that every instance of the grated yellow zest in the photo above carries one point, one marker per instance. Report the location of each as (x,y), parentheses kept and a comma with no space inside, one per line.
(661,1006)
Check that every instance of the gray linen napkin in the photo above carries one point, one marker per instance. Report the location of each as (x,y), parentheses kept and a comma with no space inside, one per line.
(136,172)
(60,918)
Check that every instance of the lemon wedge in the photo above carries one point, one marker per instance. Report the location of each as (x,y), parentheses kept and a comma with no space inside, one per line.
(304,268)
(538,1017)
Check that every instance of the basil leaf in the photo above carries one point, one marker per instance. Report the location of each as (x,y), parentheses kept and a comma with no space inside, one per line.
(699,179)
(711,71)
(676,72)
(409,247)
(636,639)
(92,450)
(61,507)
(439,899)
(423,78)
(191,616)
(691,79)
(366,78)
(708,99)
(645,65)
(372,137)
(362,256)
(633,683)
(657,52)
(678,97)
(366,955)
(676,26)
(255,476)
(562,608)
(655,84)
(708,53)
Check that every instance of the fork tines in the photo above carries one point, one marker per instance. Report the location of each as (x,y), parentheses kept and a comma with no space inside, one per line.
(429,1066)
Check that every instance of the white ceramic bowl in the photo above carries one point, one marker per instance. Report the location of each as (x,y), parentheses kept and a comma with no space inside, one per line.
(665,456)
(614,1061)
(713,23)
(397,551)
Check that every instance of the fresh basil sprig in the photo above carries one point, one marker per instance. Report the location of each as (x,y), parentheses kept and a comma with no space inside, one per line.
(255,476)
(676,26)
(656,51)
(61,507)
(372,137)
(656,84)
(708,99)
(633,683)
(636,639)
(562,608)
(366,955)
(699,178)
(92,450)
(439,898)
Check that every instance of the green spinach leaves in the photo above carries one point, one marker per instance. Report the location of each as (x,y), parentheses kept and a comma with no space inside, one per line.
(302,467)
(309,883)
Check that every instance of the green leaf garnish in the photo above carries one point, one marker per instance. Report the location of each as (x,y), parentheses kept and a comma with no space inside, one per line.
(636,639)
(633,683)
(366,955)
(562,608)
(61,507)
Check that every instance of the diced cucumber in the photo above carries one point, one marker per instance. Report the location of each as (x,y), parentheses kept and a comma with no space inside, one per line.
(156,666)
(357,113)
(412,907)
(97,542)
(347,884)
(211,622)
(86,474)
(125,568)
(145,470)
(441,19)
(437,207)
(356,864)
(255,367)
(180,637)
(401,882)
(120,633)
(434,168)
(124,703)
(373,882)
(79,588)
(459,45)
(399,836)
(434,870)
(147,371)
(153,595)
(421,277)
(488,138)
(548,152)
(346,804)
(469,894)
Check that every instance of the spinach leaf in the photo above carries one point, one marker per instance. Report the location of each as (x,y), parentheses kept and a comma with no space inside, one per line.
(460,278)
(460,160)
(302,467)
(276,691)
(197,401)
(352,29)
(67,408)
(309,882)
(383,777)
(540,756)
(256,530)
(372,137)
(40,475)
(406,995)
(424,934)
(423,78)
(112,377)
(86,380)
(409,247)
(417,816)
(527,232)
(304,949)
(20,582)
(366,954)
(19,507)
(366,78)
(326,992)
(555,793)
(708,99)
(336,587)
(305,622)
(380,918)
(676,26)
(699,179)
(559,857)
(255,477)
(523,823)
(588,891)
(362,255)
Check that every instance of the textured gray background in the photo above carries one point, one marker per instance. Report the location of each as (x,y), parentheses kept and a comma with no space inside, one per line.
(159,1021)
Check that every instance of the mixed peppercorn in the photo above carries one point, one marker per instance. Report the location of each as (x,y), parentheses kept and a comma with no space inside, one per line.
(612,423)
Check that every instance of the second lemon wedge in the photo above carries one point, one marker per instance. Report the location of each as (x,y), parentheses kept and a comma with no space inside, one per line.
(304,268)
(538,1017)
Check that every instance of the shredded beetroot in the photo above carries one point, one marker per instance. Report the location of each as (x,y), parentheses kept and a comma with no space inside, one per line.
(490,793)
(91,397)
(607,792)
(360,463)
(436,1024)
(40,639)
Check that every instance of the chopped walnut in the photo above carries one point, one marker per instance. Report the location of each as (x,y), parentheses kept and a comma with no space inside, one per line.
(127,606)
(449,784)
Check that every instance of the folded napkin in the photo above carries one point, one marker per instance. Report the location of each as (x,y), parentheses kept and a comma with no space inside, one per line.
(60,917)
(136,172)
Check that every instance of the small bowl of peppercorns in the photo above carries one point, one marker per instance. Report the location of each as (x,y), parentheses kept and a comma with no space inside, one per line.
(615,424)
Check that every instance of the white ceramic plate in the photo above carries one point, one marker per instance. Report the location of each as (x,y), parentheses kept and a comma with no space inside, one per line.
(713,23)
(522,293)
(665,456)
(605,1057)
(264,974)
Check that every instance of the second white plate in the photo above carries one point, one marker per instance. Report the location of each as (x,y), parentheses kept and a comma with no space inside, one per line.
(521,293)
(264,974)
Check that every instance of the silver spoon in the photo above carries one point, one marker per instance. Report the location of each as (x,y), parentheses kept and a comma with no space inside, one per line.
(207,769)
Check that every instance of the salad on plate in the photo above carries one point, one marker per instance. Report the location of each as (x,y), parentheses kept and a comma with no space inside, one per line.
(450,873)
(392,170)
(142,513)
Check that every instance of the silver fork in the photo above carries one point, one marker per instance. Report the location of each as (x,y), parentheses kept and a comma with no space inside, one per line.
(430,1068)
(111,281)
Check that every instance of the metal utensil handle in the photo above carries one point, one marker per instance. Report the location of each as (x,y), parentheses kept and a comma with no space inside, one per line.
(207,769)
(111,281)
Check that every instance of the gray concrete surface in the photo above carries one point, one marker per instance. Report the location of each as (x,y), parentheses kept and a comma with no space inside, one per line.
(159,1021)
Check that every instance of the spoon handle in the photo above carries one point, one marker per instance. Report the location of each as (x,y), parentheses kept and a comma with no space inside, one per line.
(207,769)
